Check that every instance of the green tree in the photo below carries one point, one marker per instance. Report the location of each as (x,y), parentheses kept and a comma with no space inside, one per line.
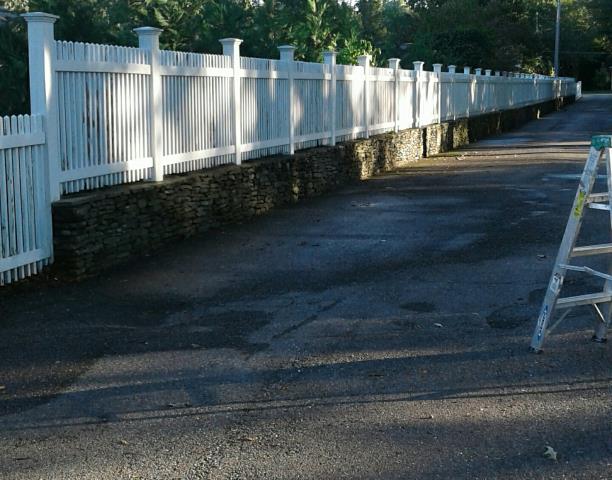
(496,34)
(373,25)
(14,88)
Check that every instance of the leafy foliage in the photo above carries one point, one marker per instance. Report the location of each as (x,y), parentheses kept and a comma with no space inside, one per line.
(496,34)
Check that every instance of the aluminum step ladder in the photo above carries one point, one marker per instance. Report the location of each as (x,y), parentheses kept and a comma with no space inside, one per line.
(585,199)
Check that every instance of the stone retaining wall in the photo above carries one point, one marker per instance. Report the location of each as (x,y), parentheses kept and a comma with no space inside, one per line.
(96,230)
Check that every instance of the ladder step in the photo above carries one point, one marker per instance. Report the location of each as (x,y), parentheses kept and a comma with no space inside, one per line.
(599,206)
(586,269)
(592,250)
(589,299)
(597,197)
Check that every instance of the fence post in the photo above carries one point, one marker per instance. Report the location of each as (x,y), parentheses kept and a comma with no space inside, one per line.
(394,63)
(231,48)
(287,53)
(364,61)
(418,68)
(329,58)
(148,39)
(437,68)
(466,71)
(43,93)
(452,69)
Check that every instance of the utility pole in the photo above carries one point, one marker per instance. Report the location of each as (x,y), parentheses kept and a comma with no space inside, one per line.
(557,37)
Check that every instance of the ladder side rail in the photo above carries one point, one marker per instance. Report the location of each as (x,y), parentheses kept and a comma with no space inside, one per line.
(601,328)
(567,245)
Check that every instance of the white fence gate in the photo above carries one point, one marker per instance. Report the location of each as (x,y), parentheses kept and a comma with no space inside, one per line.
(25,221)
(117,115)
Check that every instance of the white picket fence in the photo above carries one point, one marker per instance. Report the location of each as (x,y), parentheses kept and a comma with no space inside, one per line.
(117,115)
(130,114)
(25,225)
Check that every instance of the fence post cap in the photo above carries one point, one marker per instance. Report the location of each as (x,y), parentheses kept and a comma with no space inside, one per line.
(394,63)
(282,48)
(329,58)
(148,31)
(418,65)
(230,41)
(287,52)
(231,46)
(437,67)
(40,17)
(364,61)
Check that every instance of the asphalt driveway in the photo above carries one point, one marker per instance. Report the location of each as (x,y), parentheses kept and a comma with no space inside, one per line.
(378,332)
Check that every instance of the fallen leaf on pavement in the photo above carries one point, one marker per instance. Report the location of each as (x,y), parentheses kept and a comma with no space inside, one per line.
(178,405)
(550,453)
